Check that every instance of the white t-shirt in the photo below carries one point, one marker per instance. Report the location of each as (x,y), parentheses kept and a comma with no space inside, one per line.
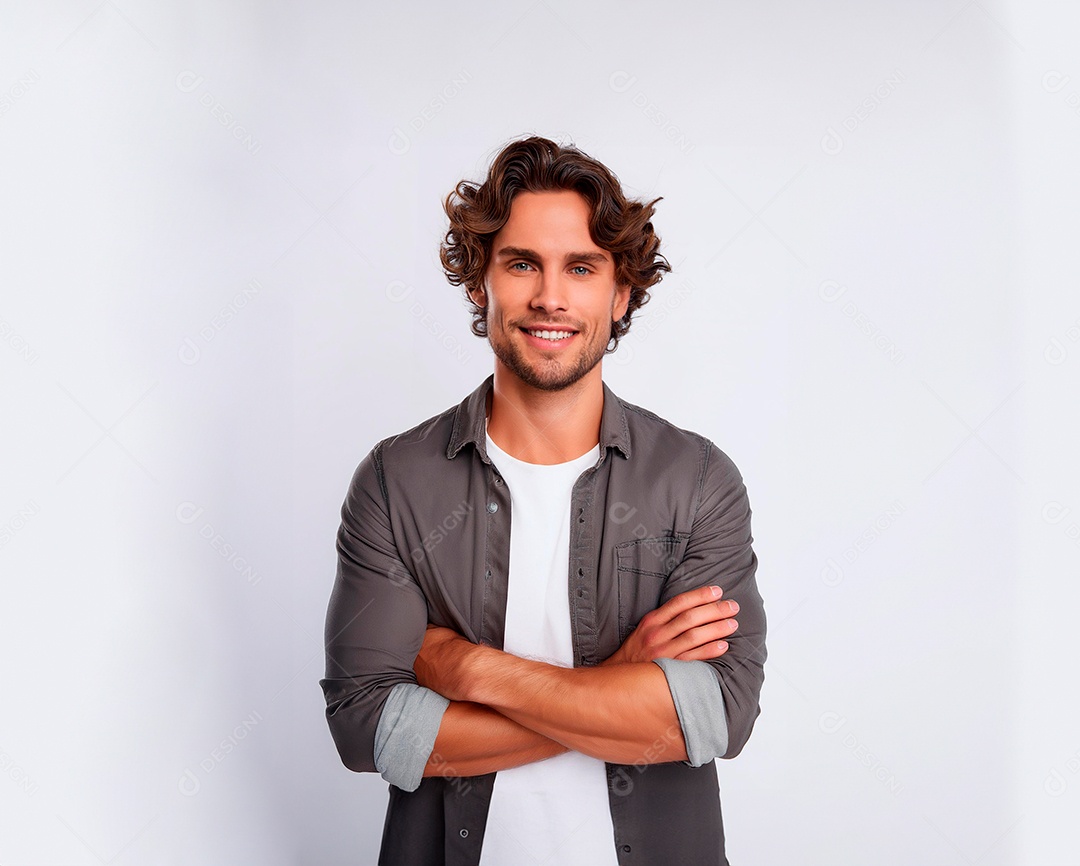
(553,811)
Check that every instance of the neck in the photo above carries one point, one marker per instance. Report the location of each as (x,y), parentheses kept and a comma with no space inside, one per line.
(545,427)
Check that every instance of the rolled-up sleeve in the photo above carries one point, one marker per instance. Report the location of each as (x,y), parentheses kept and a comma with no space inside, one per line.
(719,551)
(699,704)
(375,625)
(406,733)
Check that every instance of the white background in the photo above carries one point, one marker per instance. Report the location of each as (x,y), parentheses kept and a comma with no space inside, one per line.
(219,286)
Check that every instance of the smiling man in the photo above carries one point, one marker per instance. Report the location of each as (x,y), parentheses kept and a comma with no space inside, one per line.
(531,635)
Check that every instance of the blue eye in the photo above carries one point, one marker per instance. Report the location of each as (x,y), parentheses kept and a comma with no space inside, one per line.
(582,268)
(515,264)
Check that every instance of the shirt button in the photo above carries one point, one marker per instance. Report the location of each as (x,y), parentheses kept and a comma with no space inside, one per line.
(464,832)
(626,848)
(493,507)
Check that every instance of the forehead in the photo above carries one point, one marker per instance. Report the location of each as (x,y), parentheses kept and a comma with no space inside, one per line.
(553,216)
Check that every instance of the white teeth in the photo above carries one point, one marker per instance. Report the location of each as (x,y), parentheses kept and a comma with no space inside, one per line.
(551,335)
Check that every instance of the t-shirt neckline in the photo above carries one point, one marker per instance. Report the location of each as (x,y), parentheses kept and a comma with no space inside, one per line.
(592,453)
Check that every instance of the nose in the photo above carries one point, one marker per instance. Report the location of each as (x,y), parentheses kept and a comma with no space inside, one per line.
(551,291)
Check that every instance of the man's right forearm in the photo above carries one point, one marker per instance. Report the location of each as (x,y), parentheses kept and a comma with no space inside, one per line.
(474,739)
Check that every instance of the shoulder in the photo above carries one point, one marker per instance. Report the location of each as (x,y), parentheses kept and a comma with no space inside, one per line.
(412,452)
(405,458)
(431,434)
(660,439)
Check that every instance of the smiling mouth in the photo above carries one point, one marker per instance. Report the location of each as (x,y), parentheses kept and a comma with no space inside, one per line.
(549,336)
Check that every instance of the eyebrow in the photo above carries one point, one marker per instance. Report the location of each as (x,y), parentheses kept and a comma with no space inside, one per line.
(522,253)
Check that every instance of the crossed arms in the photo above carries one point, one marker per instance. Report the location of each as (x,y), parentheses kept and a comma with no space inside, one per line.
(503,711)
(506,711)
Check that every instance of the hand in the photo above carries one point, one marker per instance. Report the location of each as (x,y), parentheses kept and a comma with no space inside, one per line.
(690,626)
(440,664)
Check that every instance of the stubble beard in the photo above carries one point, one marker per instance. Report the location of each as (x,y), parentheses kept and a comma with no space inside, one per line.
(545,374)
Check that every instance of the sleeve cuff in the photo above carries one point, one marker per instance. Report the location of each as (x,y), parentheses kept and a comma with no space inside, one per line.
(406,733)
(699,702)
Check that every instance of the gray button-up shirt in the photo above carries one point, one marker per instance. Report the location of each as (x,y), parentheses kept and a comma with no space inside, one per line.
(425,537)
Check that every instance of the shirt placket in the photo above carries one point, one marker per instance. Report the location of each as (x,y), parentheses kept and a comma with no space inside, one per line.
(583,564)
(496,557)
(465,801)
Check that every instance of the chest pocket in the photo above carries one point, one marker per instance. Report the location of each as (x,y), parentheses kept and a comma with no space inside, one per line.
(643,566)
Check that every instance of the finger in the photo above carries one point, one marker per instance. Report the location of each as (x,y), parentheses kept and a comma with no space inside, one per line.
(685,601)
(708,609)
(712,650)
(704,613)
(703,636)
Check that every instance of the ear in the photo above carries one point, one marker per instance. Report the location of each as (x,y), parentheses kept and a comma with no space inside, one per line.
(622,302)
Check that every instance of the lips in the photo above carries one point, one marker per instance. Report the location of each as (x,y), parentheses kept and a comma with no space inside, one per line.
(544,342)
(560,328)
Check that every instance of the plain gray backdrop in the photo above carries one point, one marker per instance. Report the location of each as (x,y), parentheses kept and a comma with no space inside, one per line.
(219,287)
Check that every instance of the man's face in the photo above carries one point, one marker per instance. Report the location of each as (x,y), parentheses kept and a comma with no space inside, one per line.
(546,274)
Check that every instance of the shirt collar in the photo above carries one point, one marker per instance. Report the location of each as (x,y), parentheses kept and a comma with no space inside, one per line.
(471,412)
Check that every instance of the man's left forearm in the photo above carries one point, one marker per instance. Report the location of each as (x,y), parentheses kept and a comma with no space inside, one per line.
(620,713)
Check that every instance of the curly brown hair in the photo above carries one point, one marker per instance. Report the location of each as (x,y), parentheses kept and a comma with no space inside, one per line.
(619,225)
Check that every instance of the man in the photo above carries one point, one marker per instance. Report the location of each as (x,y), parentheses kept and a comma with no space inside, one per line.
(531,633)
